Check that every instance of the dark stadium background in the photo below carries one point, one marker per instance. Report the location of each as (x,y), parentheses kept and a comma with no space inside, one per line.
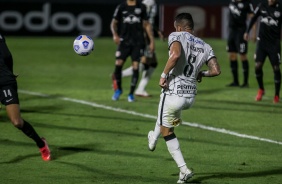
(93,17)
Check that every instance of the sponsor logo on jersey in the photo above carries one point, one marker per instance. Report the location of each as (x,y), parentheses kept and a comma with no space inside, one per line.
(269,21)
(197,49)
(9,100)
(195,40)
(131,19)
(187,92)
(186,87)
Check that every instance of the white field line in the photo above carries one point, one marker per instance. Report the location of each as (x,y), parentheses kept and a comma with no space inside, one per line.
(196,125)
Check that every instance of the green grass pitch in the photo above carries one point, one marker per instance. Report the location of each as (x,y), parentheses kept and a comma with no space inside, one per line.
(67,98)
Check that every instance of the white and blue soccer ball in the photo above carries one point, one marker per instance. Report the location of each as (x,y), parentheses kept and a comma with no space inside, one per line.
(83,45)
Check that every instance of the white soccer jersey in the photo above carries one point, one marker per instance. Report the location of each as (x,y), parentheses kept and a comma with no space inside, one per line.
(195,53)
(151,7)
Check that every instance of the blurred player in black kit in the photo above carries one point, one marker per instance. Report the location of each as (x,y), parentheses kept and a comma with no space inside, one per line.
(268,44)
(9,98)
(238,15)
(149,61)
(129,20)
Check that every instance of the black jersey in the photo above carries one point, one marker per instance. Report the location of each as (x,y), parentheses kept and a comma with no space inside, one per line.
(6,64)
(130,20)
(238,12)
(270,22)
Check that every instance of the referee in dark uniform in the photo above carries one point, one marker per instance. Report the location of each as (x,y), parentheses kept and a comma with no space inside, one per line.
(268,44)
(238,15)
(9,98)
(129,20)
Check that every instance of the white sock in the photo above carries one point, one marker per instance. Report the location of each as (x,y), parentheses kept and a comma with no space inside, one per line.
(127,72)
(184,168)
(157,131)
(174,150)
(146,75)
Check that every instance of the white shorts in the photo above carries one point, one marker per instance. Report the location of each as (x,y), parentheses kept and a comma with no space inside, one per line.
(170,107)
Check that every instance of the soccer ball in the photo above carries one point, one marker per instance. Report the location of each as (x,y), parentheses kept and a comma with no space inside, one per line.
(83,45)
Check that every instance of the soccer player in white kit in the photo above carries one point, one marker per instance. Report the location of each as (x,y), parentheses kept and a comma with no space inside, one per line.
(187,54)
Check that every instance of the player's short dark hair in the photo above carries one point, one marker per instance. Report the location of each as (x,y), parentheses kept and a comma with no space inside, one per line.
(185,19)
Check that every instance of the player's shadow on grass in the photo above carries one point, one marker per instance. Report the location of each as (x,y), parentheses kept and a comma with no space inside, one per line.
(89,130)
(63,151)
(240,106)
(46,110)
(56,151)
(110,176)
(20,158)
(239,175)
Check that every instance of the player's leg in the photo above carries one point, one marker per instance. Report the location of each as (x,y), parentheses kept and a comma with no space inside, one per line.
(117,81)
(121,55)
(127,72)
(174,149)
(11,101)
(136,54)
(169,113)
(234,69)
(232,55)
(117,73)
(274,57)
(277,83)
(245,63)
(245,66)
(134,80)
(259,78)
(153,135)
(260,57)
(146,75)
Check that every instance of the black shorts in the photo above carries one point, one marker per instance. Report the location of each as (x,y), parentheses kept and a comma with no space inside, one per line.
(151,59)
(236,42)
(9,94)
(126,50)
(270,49)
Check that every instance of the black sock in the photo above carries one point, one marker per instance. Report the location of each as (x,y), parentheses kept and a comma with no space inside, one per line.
(118,70)
(134,81)
(170,137)
(259,77)
(277,81)
(146,66)
(245,65)
(28,130)
(234,70)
